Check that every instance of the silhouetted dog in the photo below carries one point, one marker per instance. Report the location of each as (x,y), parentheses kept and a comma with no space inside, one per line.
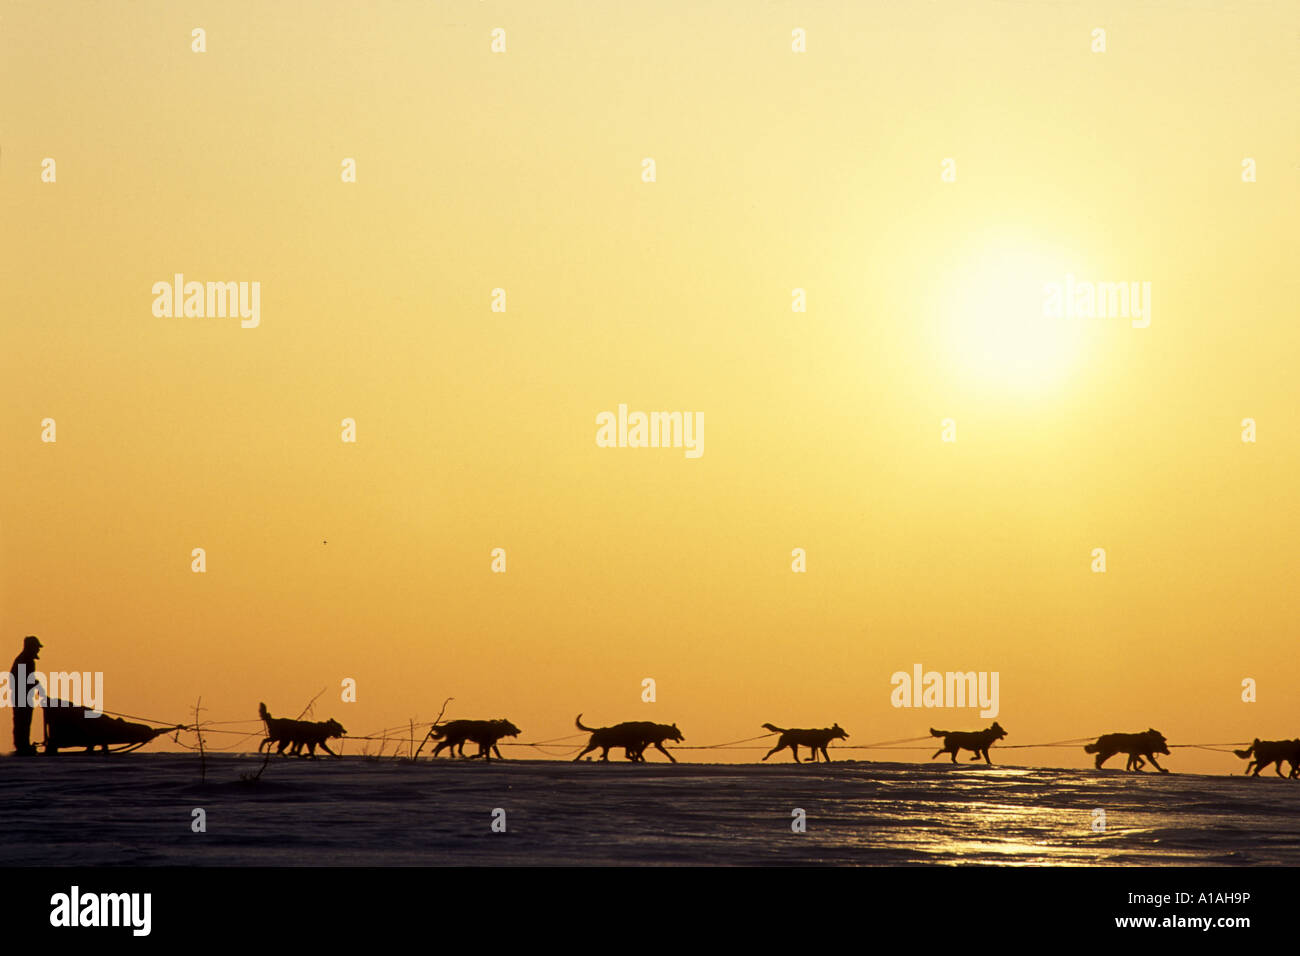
(814,740)
(976,740)
(485,733)
(1146,744)
(1266,752)
(285,731)
(634,736)
(650,733)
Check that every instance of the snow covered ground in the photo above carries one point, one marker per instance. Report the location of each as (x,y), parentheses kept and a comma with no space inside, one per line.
(138,809)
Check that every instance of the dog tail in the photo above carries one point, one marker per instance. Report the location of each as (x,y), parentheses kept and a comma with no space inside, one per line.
(581,727)
(1091,748)
(938,733)
(774,728)
(263,712)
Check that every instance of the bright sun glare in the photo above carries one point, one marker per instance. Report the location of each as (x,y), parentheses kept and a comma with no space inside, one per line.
(995,324)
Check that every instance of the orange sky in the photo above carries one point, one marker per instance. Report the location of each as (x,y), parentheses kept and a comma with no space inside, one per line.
(476,429)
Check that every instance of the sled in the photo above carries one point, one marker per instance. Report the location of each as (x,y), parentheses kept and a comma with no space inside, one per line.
(69,725)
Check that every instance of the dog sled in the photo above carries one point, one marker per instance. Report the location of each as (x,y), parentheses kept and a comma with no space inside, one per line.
(68,725)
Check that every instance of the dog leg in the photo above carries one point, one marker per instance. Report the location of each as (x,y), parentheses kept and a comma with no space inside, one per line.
(936,753)
(660,748)
(774,750)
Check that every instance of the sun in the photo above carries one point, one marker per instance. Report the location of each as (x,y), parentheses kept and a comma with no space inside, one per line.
(993,322)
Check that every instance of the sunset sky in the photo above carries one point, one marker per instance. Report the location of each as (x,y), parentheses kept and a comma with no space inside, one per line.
(823,430)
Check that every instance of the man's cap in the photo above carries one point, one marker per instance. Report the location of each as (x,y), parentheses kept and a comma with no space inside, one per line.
(31,640)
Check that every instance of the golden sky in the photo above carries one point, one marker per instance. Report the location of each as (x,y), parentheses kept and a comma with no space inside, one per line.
(476,429)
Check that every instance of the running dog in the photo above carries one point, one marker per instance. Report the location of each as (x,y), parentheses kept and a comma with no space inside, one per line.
(1146,744)
(976,740)
(651,733)
(485,733)
(634,736)
(1266,752)
(284,731)
(814,740)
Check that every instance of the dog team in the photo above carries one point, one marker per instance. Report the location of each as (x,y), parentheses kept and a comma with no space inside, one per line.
(635,736)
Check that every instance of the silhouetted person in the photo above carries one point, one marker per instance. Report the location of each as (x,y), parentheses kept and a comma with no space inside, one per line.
(23,667)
